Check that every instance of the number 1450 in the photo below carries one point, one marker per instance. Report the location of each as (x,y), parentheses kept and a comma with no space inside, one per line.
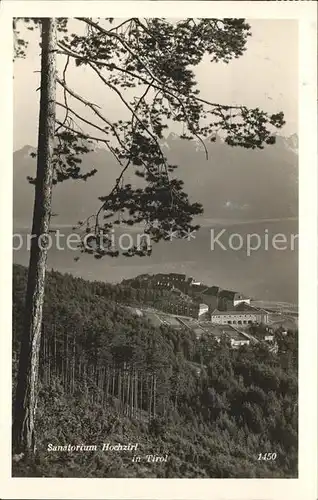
(267,456)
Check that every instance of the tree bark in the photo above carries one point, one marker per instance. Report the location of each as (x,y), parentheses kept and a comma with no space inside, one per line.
(150,397)
(154,395)
(23,431)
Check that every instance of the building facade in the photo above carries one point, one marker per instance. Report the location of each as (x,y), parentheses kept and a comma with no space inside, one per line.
(238,317)
(203,310)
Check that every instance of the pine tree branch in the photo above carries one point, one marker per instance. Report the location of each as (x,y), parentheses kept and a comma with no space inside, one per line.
(81,134)
(68,51)
(87,136)
(84,101)
(144,64)
(165,90)
(88,122)
(121,24)
(132,111)
(65,95)
(92,107)
(119,38)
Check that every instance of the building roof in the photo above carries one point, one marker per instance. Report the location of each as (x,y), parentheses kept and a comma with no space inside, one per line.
(198,288)
(227,294)
(245,307)
(212,290)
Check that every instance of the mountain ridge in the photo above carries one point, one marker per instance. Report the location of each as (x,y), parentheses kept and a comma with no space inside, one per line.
(233,183)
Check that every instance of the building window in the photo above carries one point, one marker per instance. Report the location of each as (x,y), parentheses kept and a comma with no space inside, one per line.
(239,322)
(229,322)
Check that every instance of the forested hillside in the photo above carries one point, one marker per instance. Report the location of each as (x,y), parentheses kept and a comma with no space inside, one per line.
(110,377)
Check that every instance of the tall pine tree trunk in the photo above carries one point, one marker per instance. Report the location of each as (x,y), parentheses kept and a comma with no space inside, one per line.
(26,393)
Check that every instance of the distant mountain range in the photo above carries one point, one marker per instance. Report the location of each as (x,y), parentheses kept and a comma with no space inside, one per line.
(234,183)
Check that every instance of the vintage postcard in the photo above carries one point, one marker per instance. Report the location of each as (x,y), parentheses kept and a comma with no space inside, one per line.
(159,264)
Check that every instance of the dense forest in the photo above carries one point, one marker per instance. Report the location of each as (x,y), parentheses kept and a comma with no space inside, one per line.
(107,376)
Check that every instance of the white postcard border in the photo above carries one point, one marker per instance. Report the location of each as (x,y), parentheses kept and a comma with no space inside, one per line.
(183,489)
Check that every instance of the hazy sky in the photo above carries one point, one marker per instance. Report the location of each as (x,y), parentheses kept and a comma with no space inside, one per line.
(265,76)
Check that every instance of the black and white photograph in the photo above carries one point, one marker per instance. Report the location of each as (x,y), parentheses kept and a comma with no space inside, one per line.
(155,247)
